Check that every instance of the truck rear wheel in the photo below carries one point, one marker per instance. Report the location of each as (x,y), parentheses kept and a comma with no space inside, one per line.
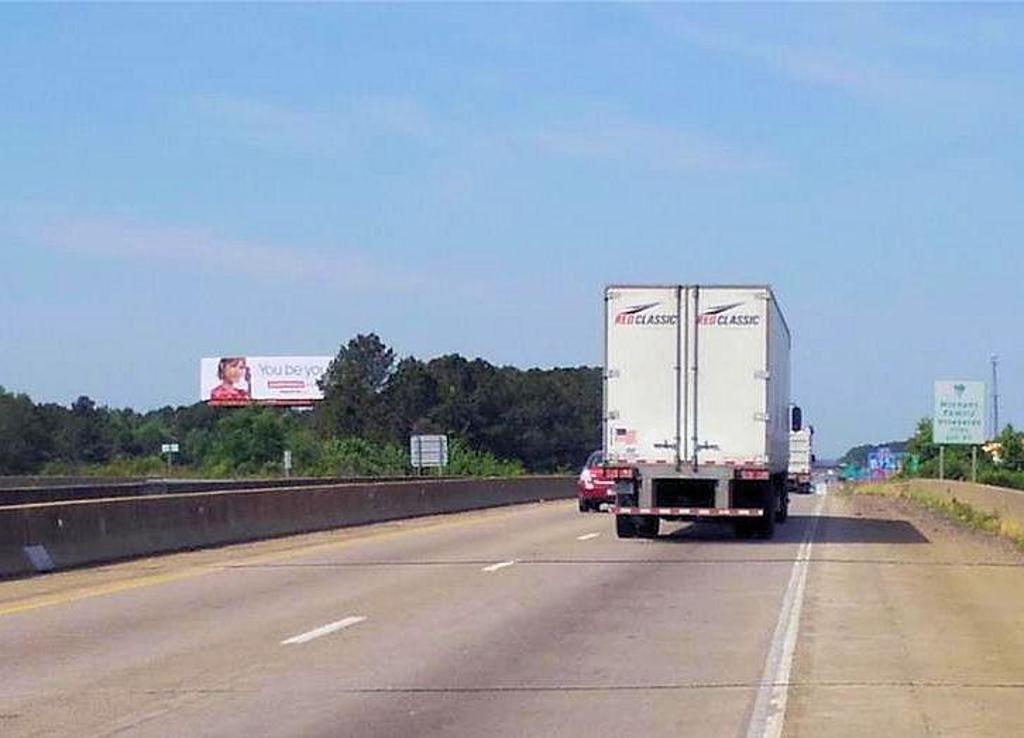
(766,525)
(648,526)
(783,514)
(624,527)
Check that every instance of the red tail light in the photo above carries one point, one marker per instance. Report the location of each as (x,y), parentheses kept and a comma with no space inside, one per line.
(618,472)
(752,473)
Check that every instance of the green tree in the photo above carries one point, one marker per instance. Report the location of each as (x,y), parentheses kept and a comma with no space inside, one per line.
(921,443)
(352,387)
(359,457)
(458,381)
(86,433)
(24,442)
(408,398)
(247,441)
(1012,454)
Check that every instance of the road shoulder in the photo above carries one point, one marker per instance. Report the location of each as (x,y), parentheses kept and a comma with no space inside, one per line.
(912,626)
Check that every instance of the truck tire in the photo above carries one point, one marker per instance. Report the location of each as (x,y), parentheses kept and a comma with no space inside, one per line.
(783,514)
(624,527)
(766,525)
(648,526)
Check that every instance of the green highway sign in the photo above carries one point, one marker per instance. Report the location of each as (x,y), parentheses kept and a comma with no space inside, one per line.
(959,414)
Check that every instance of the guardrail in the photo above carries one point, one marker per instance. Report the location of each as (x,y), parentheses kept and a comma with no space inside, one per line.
(56,535)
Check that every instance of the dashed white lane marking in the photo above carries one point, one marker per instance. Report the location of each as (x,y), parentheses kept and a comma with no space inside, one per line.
(587,536)
(499,565)
(324,630)
(769,712)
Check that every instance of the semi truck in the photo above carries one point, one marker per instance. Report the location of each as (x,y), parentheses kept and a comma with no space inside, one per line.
(696,405)
(801,459)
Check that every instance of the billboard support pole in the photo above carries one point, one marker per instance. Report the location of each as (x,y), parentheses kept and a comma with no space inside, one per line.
(942,462)
(974,464)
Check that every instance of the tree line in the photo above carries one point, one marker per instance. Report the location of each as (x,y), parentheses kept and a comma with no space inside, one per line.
(499,419)
(1001,463)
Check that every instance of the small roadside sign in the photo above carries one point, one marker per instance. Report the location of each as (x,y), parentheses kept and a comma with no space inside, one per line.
(428,451)
(168,450)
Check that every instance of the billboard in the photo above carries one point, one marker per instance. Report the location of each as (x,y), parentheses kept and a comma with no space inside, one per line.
(959,415)
(271,380)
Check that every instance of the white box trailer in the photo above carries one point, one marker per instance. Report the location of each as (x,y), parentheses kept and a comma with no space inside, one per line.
(801,459)
(696,405)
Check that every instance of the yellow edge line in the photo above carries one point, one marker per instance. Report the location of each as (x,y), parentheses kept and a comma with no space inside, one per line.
(472,517)
(38,601)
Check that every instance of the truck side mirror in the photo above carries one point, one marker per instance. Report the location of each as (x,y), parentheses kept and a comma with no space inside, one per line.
(797,418)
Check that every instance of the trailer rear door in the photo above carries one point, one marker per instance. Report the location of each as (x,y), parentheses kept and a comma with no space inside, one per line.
(731,375)
(643,345)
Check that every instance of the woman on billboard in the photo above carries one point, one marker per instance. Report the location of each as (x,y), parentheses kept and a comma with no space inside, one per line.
(232,372)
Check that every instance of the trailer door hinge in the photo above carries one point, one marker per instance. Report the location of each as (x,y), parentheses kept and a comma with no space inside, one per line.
(611,374)
(762,374)
(761,417)
(613,415)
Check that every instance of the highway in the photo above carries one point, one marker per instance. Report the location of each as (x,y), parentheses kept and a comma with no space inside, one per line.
(862,617)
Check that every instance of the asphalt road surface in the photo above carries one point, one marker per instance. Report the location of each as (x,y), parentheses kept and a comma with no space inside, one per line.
(862,617)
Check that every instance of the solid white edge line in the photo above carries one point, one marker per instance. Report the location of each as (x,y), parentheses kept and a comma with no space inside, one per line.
(769,714)
(324,630)
(587,536)
(499,565)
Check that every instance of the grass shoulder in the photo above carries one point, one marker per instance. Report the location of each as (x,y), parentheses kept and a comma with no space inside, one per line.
(957,511)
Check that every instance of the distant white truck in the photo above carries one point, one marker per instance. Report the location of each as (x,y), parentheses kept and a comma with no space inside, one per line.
(696,406)
(801,460)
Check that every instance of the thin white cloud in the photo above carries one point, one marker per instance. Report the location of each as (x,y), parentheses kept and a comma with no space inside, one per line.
(206,251)
(273,126)
(399,116)
(864,73)
(340,129)
(621,139)
(594,135)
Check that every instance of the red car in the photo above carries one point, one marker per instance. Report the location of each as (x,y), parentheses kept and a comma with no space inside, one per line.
(592,488)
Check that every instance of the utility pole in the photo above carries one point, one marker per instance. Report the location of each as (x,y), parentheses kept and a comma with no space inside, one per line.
(995,396)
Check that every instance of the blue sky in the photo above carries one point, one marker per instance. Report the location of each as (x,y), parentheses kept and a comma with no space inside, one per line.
(181,180)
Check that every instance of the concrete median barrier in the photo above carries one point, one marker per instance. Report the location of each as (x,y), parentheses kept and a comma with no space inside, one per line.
(28,490)
(42,536)
(13,541)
